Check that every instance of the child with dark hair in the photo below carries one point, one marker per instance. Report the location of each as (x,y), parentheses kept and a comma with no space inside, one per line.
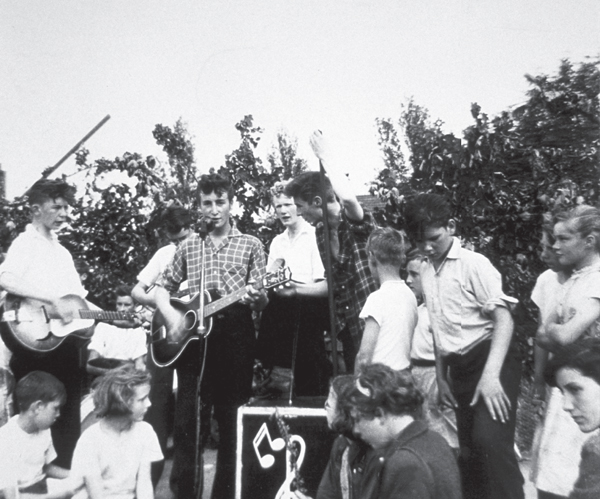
(390,313)
(472,328)
(27,455)
(575,369)
(113,456)
(408,459)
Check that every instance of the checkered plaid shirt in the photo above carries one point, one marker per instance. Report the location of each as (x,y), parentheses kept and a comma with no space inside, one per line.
(229,267)
(352,280)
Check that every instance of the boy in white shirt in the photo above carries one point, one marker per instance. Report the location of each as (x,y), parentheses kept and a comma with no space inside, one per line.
(390,313)
(27,456)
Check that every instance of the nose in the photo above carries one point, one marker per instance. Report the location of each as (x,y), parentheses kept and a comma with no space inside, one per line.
(567,403)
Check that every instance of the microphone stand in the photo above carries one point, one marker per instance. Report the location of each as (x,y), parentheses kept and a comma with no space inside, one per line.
(205,228)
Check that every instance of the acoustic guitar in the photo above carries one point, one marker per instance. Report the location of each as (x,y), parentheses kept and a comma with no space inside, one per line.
(34,326)
(167,345)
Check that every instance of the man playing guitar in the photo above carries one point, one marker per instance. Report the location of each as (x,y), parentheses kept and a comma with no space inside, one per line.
(38,267)
(232,260)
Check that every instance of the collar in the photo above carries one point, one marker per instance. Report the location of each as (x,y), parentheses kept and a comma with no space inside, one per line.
(595,267)
(454,253)
(32,231)
(412,431)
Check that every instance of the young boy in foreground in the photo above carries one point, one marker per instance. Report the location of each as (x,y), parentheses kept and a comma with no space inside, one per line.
(27,456)
(472,327)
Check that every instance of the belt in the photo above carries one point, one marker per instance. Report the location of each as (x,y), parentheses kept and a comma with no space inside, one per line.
(422,363)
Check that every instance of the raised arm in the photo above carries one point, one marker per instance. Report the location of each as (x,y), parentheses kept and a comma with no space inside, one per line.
(583,315)
(339,182)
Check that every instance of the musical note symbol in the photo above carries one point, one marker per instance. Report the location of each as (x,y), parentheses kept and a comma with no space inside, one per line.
(267,460)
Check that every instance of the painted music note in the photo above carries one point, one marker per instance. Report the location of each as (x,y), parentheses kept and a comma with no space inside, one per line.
(267,460)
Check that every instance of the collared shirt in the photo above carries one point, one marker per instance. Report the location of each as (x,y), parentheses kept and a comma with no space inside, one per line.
(422,342)
(300,253)
(460,297)
(352,280)
(42,263)
(229,267)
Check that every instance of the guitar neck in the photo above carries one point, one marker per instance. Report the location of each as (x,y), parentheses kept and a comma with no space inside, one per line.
(101,315)
(215,306)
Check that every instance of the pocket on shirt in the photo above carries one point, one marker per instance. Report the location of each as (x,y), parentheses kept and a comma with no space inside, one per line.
(235,275)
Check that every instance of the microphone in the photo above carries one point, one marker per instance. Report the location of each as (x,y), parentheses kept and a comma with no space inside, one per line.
(206,226)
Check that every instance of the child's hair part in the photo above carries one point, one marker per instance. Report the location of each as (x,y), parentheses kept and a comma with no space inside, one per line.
(46,189)
(342,386)
(39,385)
(414,254)
(176,218)
(114,390)
(424,211)
(585,220)
(216,183)
(388,246)
(583,355)
(307,186)
(379,388)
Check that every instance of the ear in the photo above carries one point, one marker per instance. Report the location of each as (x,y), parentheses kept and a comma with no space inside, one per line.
(317,201)
(36,406)
(451,226)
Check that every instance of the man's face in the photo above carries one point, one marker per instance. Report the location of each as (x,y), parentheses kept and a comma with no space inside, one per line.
(581,398)
(436,241)
(215,207)
(413,278)
(52,213)
(285,209)
(124,304)
(311,212)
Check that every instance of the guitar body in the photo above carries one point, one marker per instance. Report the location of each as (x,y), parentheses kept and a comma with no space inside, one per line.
(166,346)
(33,326)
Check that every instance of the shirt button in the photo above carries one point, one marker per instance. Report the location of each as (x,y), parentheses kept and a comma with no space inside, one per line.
(381,459)
(347,307)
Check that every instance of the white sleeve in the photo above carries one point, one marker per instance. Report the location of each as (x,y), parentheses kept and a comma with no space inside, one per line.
(372,308)
(152,450)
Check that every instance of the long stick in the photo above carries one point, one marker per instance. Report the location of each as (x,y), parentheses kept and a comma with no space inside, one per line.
(328,272)
(48,171)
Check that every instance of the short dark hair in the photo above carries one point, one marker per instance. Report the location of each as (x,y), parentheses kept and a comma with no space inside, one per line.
(114,390)
(217,183)
(176,218)
(586,221)
(342,385)
(414,254)
(123,290)
(46,189)
(39,385)
(387,246)
(424,211)
(380,389)
(307,186)
(583,355)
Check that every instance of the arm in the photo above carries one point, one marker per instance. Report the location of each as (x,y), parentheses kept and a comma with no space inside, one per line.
(489,388)
(256,299)
(143,488)
(554,334)
(140,294)
(93,370)
(54,471)
(540,359)
(367,344)
(445,396)
(314,289)
(339,182)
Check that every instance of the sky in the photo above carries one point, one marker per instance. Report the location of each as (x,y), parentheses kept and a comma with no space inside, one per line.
(333,65)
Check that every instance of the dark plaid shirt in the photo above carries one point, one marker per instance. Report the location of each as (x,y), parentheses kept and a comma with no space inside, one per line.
(229,267)
(352,280)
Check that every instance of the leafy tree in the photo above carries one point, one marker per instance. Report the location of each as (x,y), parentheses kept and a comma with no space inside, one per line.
(284,157)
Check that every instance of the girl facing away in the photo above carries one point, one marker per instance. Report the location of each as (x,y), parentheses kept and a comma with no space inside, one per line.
(576,371)
(113,456)
(574,316)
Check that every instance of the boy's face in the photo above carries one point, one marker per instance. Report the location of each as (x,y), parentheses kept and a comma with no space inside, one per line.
(569,247)
(413,279)
(436,241)
(311,212)
(124,304)
(581,396)
(285,209)
(215,207)
(52,213)
(548,255)
(178,237)
(140,402)
(45,414)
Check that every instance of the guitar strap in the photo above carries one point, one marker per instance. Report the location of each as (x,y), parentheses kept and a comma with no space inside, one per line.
(328,271)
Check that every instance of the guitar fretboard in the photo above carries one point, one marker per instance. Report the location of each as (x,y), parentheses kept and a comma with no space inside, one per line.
(101,315)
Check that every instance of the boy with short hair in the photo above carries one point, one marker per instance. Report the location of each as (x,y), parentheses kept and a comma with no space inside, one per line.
(472,327)
(122,340)
(390,313)
(28,453)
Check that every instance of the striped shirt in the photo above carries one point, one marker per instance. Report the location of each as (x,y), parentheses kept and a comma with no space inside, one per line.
(238,259)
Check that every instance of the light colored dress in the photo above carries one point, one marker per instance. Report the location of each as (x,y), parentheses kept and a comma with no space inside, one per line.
(558,440)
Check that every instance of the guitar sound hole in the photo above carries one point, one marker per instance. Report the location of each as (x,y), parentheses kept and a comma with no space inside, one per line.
(189,320)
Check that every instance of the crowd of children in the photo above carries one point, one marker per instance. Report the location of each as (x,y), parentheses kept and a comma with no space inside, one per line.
(438,345)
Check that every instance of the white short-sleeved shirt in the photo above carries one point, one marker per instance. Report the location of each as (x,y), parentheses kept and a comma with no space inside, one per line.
(457,297)
(301,253)
(118,457)
(42,263)
(546,293)
(23,455)
(422,342)
(157,264)
(113,342)
(394,307)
